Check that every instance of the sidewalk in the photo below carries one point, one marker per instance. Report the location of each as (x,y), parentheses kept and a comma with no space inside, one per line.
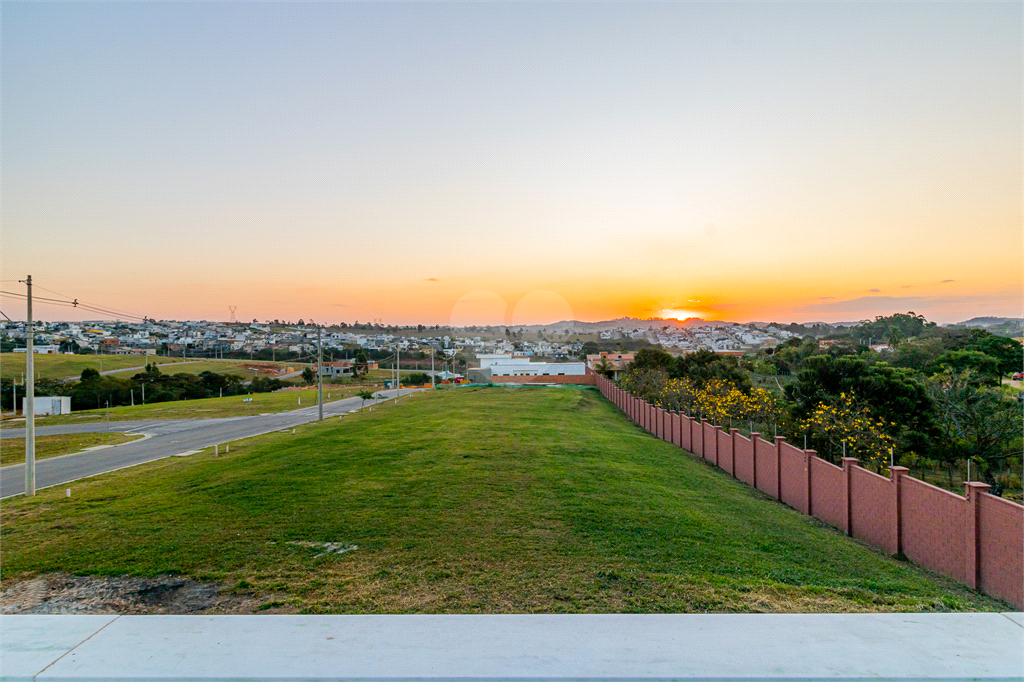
(976,646)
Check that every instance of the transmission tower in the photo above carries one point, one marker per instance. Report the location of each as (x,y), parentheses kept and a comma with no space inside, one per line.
(233,308)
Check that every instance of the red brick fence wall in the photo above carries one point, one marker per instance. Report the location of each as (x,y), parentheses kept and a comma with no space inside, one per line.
(977,539)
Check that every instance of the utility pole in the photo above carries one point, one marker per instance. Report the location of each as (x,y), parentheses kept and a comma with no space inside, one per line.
(398,371)
(30,394)
(319,373)
(433,351)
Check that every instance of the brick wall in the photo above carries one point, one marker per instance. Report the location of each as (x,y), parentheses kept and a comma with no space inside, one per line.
(976,538)
(872,508)
(828,483)
(581,379)
(934,525)
(1000,546)
(743,453)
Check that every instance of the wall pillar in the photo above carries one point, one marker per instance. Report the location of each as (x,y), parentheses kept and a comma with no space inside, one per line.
(848,463)
(732,441)
(779,440)
(896,475)
(716,431)
(754,437)
(973,492)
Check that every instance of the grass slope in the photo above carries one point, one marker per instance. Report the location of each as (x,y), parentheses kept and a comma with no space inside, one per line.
(12,450)
(475,500)
(203,408)
(12,365)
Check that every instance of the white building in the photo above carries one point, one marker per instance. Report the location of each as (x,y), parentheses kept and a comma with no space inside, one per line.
(48,405)
(534,369)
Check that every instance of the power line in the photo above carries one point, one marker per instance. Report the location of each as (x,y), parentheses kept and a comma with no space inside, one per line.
(75,303)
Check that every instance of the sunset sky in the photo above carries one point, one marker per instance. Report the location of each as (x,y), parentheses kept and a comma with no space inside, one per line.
(515,163)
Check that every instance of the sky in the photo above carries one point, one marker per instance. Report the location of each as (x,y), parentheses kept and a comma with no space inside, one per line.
(483,163)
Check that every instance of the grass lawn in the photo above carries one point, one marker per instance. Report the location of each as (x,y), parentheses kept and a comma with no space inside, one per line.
(205,408)
(488,500)
(12,365)
(12,450)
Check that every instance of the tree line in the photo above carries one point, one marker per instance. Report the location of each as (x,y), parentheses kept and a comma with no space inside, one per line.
(934,399)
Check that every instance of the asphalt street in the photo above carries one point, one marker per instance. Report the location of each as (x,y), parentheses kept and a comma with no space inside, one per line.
(166,438)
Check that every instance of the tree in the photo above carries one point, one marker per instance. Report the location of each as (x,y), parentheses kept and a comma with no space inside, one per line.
(985,368)
(893,395)
(308,375)
(364,395)
(703,366)
(651,358)
(89,374)
(980,423)
(844,424)
(605,368)
(360,364)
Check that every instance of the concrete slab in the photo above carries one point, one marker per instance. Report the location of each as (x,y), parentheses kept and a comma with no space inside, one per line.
(1017,618)
(976,646)
(30,643)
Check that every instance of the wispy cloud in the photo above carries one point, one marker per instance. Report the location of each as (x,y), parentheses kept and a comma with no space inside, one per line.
(875,291)
(826,298)
(947,281)
(431,279)
(866,304)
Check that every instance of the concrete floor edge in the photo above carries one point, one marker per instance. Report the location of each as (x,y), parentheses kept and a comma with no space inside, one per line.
(977,646)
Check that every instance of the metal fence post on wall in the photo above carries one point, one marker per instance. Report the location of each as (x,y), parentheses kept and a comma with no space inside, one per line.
(973,491)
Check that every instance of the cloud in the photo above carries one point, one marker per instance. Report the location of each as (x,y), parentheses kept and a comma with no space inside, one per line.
(875,291)
(867,304)
(340,305)
(947,281)
(826,298)
(431,279)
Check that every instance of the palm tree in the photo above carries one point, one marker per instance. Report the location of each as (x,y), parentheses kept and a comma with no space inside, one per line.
(605,369)
(365,394)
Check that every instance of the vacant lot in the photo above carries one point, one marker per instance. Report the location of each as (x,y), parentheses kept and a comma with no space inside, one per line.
(12,365)
(204,408)
(12,450)
(472,500)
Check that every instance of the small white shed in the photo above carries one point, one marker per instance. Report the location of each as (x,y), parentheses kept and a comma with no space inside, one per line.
(49,404)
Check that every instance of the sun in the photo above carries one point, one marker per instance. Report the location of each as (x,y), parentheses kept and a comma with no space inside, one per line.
(678,314)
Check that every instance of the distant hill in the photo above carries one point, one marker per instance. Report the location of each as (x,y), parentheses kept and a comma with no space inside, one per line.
(989,321)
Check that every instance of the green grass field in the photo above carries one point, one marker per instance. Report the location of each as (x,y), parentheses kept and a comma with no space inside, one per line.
(12,365)
(205,408)
(12,450)
(474,500)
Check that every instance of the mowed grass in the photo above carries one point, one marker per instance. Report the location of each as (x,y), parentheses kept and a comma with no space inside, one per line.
(489,500)
(204,408)
(12,450)
(12,365)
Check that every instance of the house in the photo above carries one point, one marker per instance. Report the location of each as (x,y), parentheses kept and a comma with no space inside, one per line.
(619,362)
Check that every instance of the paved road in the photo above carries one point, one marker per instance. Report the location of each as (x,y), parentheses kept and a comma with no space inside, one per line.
(167,438)
(100,427)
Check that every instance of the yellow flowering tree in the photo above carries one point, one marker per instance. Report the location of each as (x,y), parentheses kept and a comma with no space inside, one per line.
(844,421)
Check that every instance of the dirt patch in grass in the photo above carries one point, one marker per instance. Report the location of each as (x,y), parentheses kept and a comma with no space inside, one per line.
(60,593)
